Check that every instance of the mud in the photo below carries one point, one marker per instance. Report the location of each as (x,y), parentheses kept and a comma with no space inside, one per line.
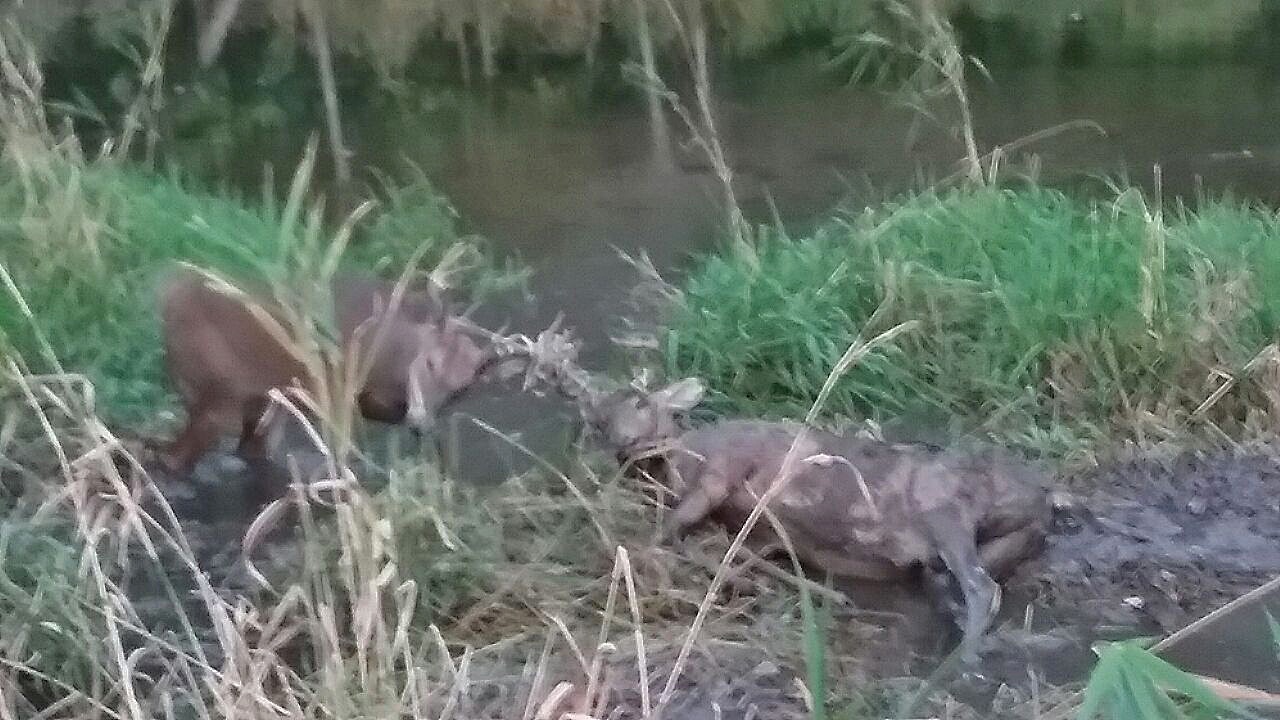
(1157,545)
(1184,537)
(1175,540)
(1148,547)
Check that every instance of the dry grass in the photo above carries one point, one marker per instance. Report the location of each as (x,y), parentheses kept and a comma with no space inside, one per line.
(421,600)
(424,599)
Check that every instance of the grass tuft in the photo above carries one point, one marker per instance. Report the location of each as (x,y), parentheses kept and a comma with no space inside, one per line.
(1050,323)
(1130,682)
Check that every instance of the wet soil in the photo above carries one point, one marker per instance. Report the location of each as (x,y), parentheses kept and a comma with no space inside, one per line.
(1150,546)
(1159,544)
(1182,537)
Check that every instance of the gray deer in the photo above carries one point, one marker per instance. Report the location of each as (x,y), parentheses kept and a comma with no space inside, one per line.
(852,506)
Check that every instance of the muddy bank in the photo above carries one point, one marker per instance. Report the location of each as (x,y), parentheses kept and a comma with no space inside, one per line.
(1177,538)
(1159,544)
(1152,546)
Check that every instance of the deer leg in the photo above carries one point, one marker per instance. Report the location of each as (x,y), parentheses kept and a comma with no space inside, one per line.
(958,549)
(692,508)
(701,497)
(253,436)
(206,420)
(1001,555)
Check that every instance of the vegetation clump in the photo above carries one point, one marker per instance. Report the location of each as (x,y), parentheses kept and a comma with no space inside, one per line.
(1054,323)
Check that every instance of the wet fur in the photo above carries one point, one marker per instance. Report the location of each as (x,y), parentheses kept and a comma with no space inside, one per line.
(721,470)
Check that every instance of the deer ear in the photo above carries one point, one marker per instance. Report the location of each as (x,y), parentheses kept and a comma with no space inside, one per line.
(681,395)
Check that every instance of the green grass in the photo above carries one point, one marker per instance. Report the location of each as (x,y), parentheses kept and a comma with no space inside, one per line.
(42,599)
(88,253)
(1048,322)
(1130,682)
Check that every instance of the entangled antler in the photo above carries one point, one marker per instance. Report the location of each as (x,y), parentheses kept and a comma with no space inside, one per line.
(549,362)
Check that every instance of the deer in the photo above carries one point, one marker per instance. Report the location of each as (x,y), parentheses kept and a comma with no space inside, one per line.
(857,507)
(224,361)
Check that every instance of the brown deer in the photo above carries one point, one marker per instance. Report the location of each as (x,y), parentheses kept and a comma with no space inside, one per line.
(852,506)
(223,360)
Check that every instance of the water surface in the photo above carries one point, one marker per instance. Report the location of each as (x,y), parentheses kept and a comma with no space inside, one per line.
(564,191)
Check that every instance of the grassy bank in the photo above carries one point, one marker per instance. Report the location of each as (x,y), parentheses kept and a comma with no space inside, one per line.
(1055,324)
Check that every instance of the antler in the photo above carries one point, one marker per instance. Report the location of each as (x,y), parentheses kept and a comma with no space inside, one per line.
(547,361)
